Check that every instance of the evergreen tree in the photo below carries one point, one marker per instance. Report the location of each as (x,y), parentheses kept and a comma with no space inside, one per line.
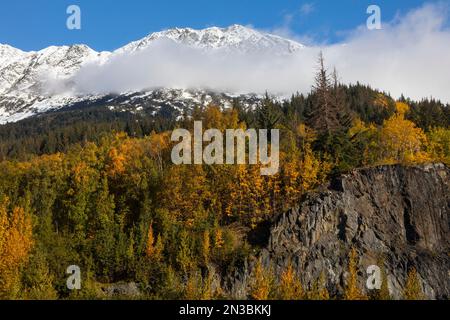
(339,101)
(324,117)
(269,114)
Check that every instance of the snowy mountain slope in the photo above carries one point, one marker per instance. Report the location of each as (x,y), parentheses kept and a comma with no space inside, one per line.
(159,102)
(40,81)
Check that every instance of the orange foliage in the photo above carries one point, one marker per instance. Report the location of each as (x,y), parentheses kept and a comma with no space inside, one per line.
(290,286)
(185,190)
(159,144)
(150,248)
(15,245)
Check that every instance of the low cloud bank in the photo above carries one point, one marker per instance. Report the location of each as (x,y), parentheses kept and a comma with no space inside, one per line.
(410,55)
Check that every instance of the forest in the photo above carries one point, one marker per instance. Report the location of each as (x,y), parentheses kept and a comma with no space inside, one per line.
(104,195)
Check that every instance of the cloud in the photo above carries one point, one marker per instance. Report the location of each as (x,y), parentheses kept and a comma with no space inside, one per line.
(168,64)
(410,55)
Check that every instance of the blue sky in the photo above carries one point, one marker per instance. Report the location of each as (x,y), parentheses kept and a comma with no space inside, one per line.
(107,24)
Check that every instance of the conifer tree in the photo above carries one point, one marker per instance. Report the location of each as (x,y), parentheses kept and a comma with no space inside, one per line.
(330,112)
(269,114)
(340,103)
(324,118)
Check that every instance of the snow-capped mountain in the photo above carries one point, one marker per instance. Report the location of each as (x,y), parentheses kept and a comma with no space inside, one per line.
(25,72)
(33,82)
(235,38)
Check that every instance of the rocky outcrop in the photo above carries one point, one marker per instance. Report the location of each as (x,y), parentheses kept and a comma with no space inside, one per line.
(395,212)
(120,290)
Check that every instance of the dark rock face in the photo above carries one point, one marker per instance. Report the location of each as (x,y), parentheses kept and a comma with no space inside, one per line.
(395,212)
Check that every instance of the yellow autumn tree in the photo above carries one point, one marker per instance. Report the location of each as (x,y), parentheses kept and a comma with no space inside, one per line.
(413,287)
(154,246)
(193,287)
(159,145)
(291,181)
(198,287)
(15,245)
(352,291)
(218,239)
(275,195)
(381,101)
(314,171)
(401,140)
(260,283)
(258,198)
(214,117)
(185,191)
(206,246)
(318,290)
(290,287)
(150,248)
(245,197)
(300,174)
(207,289)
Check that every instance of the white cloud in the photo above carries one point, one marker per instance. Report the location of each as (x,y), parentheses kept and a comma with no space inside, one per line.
(167,64)
(411,55)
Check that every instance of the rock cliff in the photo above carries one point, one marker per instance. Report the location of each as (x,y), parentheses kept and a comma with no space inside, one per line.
(395,212)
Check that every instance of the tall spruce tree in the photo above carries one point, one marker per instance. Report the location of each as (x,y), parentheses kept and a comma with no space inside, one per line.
(323,118)
(340,103)
(269,113)
(329,112)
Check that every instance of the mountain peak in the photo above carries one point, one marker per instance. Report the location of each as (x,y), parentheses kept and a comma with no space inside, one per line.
(235,38)
(8,54)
